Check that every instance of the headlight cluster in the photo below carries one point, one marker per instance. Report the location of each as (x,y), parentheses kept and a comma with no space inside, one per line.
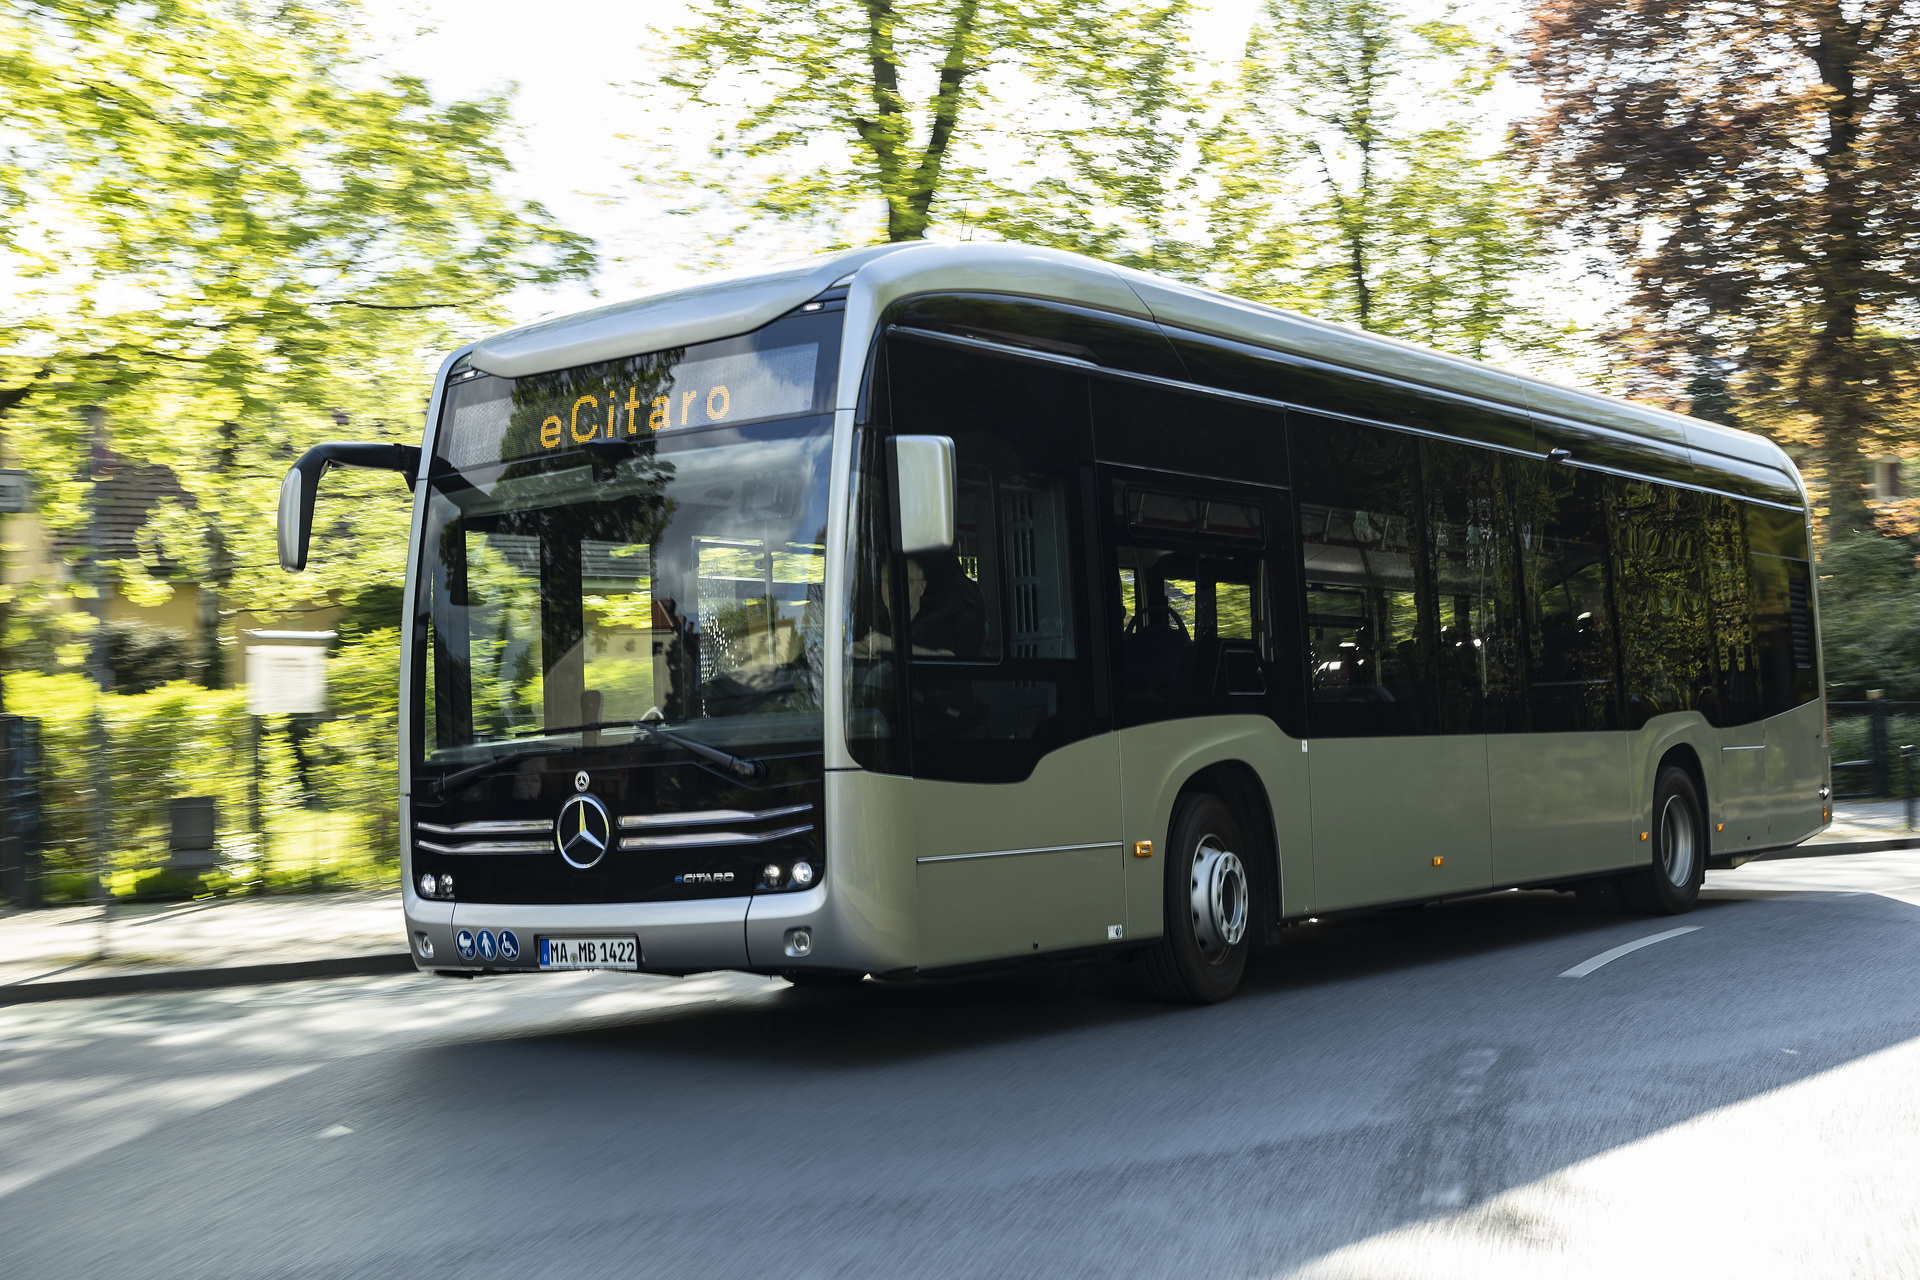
(799,876)
(437,887)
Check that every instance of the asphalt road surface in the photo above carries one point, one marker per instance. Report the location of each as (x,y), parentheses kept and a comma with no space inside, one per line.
(1411,1094)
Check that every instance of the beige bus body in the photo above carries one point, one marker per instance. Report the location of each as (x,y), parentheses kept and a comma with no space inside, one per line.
(930,876)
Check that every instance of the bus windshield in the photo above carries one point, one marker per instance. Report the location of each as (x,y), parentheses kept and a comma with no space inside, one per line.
(673,576)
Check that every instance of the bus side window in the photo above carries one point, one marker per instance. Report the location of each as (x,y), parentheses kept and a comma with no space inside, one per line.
(1369,625)
(996,672)
(1572,665)
(1666,641)
(1476,591)
(1736,656)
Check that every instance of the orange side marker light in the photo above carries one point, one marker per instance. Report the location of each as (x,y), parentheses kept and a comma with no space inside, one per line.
(1439,862)
(1143,848)
(1645,834)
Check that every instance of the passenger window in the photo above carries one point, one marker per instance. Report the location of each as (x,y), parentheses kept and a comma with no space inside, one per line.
(1476,591)
(1368,630)
(1666,640)
(1736,657)
(1571,667)
(1194,636)
(996,672)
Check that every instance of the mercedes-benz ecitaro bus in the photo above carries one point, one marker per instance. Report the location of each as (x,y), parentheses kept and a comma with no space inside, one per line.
(938,606)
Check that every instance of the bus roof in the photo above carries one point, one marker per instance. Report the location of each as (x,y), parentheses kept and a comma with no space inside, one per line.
(736,302)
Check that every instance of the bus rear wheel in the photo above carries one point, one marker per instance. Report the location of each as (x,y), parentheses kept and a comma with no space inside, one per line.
(1670,885)
(1202,954)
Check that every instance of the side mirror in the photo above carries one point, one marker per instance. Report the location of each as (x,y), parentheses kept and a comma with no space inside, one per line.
(295,523)
(923,488)
(297,491)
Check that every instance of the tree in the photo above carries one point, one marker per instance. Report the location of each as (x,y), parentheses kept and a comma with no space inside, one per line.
(1058,121)
(1756,169)
(1356,179)
(238,241)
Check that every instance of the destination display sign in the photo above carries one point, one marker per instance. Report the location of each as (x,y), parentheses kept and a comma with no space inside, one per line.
(505,420)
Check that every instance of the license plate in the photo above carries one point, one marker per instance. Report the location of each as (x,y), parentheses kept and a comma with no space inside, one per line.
(589,953)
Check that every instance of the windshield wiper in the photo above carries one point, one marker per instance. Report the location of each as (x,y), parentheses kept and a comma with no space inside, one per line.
(743,767)
(746,768)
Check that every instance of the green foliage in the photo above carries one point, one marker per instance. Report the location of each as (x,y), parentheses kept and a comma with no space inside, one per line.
(1356,180)
(1755,170)
(328,790)
(236,240)
(144,657)
(1870,617)
(1056,121)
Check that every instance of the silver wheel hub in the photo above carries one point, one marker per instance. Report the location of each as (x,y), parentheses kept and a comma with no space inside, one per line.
(1676,842)
(1219,899)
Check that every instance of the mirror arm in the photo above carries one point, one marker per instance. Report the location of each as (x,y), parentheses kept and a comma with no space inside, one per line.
(298,490)
(403,458)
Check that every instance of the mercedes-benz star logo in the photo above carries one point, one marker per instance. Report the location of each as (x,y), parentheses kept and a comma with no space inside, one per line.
(583,831)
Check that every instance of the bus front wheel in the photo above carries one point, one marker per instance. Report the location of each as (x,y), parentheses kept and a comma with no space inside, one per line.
(1670,884)
(1200,957)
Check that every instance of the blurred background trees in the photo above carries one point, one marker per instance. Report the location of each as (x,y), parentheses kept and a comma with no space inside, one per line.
(1754,168)
(228,231)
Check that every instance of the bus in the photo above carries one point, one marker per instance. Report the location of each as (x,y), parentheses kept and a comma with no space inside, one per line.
(926,608)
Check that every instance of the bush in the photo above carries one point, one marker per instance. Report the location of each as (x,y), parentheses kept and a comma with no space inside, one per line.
(183,740)
(143,657)
(1870,617)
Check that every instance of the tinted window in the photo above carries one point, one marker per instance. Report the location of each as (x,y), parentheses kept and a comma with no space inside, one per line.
(875,719)
(1736,655)
(1618,450)
(1102,338)
(1199,435)
(1572,668)
(1773,532)
(1474,579)
(1666,637)
(1783,632)
(1369,626)
(998,672)
(1250,370)
(1197,634)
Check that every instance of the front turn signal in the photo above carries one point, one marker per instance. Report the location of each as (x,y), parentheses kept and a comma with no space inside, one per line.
(1143,848)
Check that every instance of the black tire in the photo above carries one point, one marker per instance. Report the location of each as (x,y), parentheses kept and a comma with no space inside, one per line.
(1670,884)
(1200,957)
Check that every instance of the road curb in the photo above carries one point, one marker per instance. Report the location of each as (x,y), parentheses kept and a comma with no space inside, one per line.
(245,975)
(1834,848)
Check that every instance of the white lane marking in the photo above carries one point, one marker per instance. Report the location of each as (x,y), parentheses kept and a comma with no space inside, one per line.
(1586,967)
(338,1131)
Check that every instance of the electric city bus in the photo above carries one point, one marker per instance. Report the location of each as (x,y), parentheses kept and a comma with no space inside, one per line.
(931,607)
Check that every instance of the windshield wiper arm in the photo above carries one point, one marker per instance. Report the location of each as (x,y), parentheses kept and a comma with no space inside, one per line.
(449,781)
(745,768)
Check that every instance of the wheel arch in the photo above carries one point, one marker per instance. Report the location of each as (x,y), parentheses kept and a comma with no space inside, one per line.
(1238,785)
(1683,756)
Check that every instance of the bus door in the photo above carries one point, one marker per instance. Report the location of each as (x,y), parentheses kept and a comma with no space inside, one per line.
(1015,795)
(1402,544)
(1198,568)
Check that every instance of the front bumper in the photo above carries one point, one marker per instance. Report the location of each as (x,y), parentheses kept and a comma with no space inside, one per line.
(675,937)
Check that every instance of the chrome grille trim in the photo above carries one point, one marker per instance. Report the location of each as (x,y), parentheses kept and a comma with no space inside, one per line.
(711,839)
(489,846)
(707,817)
(508,827)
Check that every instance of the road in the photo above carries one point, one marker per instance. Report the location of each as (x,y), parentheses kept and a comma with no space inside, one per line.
(1410,1094)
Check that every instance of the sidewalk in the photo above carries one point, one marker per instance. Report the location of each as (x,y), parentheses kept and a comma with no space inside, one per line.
(1868,820)
(214,943)
(56,953)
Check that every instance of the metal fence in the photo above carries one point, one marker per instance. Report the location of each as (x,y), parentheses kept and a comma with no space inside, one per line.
(205,802)
(1872,746)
